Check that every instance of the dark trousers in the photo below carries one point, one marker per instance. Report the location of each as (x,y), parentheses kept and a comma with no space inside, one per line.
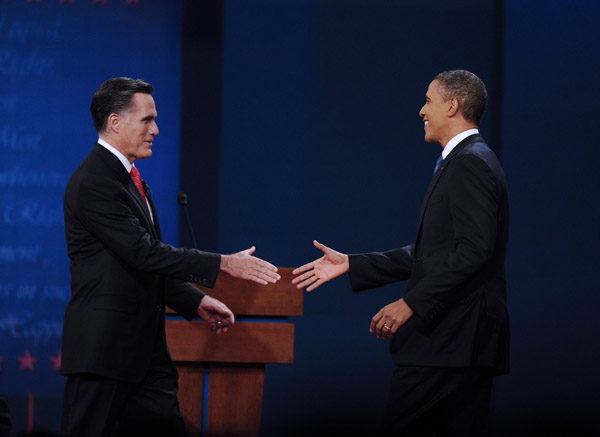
(97,406)
(5,423)
(429,401)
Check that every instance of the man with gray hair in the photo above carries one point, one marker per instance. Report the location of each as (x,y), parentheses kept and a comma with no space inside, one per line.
(120,376)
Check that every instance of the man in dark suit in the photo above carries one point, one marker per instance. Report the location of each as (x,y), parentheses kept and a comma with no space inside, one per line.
(114,353)
(450,332)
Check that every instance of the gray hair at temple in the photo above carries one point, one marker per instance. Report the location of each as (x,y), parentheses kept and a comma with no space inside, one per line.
(468,89)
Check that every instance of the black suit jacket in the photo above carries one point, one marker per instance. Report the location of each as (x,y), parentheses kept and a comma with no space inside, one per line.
(122,274)
(455,269)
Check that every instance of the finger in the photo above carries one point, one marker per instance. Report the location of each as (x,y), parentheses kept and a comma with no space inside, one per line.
(256,279)
(304,268)
(376,318)
(270,275)
(249,251)
(317,284)
(222,311)
(221,326)
(224,327)
(381,328)
(267,277)
(389,331)
(261,264)
(309,281)
(378,328)
(302,277)
(320,246)
(385,331)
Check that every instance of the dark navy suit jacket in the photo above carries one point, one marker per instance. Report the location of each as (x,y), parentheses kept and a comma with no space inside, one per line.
(122,274)
(455,268)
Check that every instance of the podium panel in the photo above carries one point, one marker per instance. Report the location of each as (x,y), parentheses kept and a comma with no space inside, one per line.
(221,377)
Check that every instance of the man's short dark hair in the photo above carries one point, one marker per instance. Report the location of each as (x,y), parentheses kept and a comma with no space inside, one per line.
(115,96)
(468,89)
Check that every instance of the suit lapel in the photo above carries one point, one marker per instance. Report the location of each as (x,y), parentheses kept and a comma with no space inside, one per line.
(156,225)
(120,173)
(141,205)
(438,174)
(430,188)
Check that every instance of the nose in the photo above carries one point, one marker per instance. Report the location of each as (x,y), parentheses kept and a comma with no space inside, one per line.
(421,113)
(154,131)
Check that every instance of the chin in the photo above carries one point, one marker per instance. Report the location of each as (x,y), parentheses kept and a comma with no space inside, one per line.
(430,139)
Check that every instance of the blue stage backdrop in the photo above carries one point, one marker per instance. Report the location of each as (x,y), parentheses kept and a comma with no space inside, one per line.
(53,56)
(320,104)
(310,129)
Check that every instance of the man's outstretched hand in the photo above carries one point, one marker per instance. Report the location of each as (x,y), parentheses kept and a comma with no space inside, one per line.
(331,265)
(245,266)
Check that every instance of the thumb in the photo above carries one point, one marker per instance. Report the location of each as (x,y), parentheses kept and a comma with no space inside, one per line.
(250,251)
(320,246)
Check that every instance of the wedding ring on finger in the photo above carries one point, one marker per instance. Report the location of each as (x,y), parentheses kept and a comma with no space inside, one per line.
(386,327)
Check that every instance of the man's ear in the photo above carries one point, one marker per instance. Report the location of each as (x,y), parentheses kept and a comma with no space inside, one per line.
(114,123)
(453,106)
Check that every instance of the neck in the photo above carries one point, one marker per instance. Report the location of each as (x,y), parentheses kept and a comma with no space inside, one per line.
(455,130)
(114,142)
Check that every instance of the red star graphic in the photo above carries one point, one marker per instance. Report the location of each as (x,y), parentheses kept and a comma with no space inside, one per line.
(67,1)
(101,2)
(56,362)
(27,362)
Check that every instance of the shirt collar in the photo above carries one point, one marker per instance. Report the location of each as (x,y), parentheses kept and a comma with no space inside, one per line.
(118,154)
(456,140)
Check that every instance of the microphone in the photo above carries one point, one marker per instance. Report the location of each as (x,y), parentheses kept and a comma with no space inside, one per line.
(147,189)
(182,200)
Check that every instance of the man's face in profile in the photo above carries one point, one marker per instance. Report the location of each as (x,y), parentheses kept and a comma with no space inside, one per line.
(138,127)
(434,114)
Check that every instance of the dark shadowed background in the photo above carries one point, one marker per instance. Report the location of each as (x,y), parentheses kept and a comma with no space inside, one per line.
(286,121)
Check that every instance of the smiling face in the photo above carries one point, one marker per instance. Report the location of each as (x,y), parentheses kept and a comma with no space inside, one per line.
(137,128)
(435,115)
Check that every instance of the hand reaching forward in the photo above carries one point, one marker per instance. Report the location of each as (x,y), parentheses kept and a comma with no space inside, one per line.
(219,317)
(329,266)
(387,321)
(245,266)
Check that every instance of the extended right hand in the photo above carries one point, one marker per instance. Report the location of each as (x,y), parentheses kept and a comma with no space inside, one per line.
(331,265)
(245,266)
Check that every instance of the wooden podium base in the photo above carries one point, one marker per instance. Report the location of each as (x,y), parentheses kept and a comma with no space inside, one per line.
(221,377)
(234,399)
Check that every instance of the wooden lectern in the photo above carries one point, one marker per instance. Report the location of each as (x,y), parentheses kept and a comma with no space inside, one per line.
(221,377)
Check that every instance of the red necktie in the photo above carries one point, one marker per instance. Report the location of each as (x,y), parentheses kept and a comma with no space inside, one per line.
(137,180)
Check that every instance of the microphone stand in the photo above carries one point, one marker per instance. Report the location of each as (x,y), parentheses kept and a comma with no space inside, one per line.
(182,199)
